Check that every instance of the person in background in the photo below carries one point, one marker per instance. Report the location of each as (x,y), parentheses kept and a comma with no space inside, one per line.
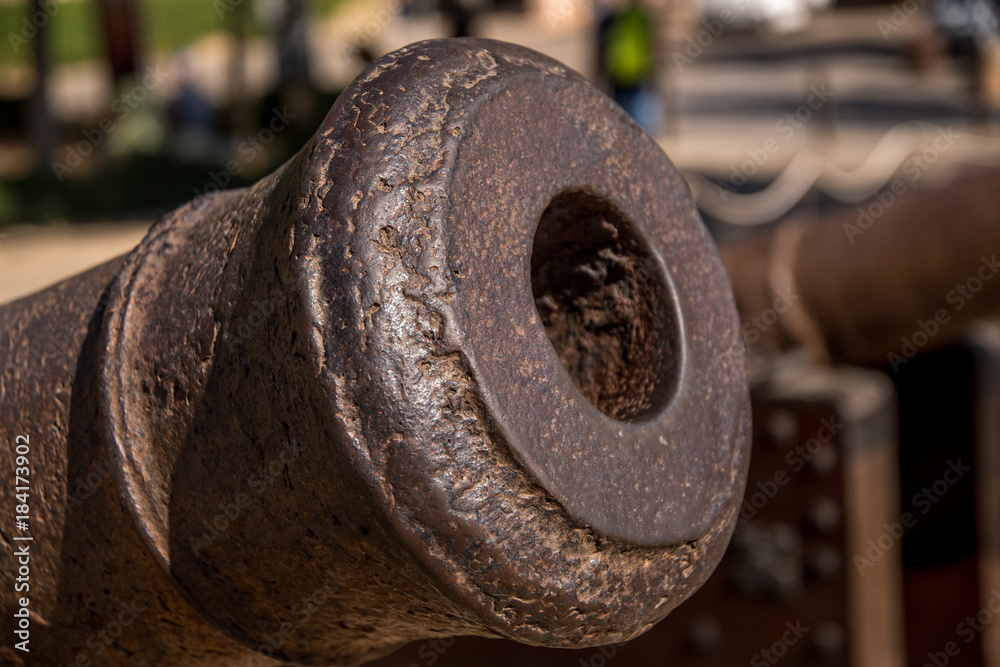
(459,15)
(628,62)
(970,31)
(191,118)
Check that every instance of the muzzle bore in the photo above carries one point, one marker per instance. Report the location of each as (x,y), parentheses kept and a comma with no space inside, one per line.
(468,364)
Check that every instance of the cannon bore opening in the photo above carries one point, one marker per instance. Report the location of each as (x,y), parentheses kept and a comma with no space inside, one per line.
(606,306)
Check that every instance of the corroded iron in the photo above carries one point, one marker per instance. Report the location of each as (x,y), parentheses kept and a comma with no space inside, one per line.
(468,364)
(877,285)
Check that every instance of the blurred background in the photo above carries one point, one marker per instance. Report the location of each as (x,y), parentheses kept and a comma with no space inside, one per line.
(113,112)
(116,110)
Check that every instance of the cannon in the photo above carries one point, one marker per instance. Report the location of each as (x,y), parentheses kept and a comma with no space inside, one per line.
(469,363)
(862,287)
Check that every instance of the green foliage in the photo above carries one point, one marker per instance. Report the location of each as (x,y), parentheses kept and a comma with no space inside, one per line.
(167,25)
(72,32)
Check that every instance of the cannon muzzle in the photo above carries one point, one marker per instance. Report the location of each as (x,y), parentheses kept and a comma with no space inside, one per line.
(468,364)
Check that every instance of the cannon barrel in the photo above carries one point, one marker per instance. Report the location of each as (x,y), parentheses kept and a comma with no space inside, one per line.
(468,364)
(878,284)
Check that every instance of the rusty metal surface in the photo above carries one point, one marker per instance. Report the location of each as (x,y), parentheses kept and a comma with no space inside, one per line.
(823,481)
(468,364)
(858,287)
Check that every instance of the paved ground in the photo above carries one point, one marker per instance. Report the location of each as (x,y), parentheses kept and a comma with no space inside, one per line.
(32,257)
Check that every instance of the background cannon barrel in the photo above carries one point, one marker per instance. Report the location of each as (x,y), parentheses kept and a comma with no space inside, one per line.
(468,364)
(857,285)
